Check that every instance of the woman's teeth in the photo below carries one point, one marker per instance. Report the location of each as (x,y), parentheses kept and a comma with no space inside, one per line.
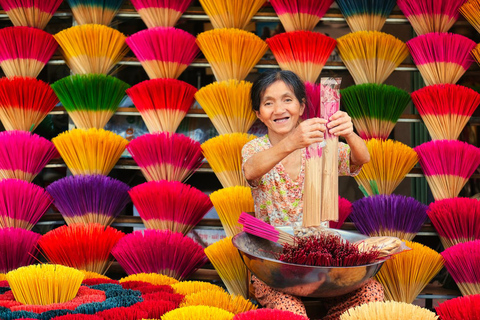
(281,120)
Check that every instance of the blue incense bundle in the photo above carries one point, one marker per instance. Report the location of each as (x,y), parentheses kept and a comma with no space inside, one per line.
(366,15)
(389,215)
(89,198)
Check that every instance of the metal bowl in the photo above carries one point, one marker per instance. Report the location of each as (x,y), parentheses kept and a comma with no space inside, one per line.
(299,280)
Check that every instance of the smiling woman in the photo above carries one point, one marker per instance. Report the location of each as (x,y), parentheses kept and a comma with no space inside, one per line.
(274,166)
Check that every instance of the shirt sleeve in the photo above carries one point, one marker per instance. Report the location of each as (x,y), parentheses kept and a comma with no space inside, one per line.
(344,167)
(248,150)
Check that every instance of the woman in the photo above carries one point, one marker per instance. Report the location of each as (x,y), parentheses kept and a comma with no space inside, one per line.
(274,166)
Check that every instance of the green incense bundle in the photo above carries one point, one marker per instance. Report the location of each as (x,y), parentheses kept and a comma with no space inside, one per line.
(90,99)
(94,11)
(374,108)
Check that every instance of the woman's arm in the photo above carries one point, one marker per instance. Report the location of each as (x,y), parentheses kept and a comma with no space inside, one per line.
(308,132)
(341,125)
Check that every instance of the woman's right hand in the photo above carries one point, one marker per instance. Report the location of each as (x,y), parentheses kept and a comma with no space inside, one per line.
(306,133)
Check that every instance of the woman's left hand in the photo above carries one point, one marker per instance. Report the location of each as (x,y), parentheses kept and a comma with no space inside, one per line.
(340,124)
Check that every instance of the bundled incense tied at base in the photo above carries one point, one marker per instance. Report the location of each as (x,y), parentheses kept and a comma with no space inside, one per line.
(94,11)
(231,13)
(471,11)
(219,299)
(369,15)
(326,251)
(28,13)
(160,14)
(300,14)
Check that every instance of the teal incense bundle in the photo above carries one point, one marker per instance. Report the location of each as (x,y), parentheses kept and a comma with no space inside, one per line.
(94,11)
(366,15)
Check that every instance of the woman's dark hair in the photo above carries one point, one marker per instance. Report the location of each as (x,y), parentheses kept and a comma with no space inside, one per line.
(268,78)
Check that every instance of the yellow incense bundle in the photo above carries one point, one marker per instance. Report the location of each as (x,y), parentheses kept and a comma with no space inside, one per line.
(390,161)
(92,151)
(228,105)
(231,13)
(218,299)
(198,312)
(230,267)
(232,53)
(91,48)
(406,274)
(189,287)
(229,204)
(44,284)
(371,56)
(224,154)
(152,278)
(389,310)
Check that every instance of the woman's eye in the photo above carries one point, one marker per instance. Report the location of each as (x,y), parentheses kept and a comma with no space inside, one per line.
(288,100)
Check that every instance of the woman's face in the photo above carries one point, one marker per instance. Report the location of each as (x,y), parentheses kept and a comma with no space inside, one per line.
(279,109)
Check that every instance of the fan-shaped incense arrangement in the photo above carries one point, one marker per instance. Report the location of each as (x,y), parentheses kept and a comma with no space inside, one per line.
(170,205)
(124,313)
(406,274)
(367,15)
(28,13)
(162,103)
(466,308)
(300,14)
(91,48)
(344,211)
(445,109)
(262,229)
(198,312)
(230,267)
(389,215)
(441,57)
(224,154)
(229,204)
(462,262)
(219,299)
(91,99)
(24,51)
(152,278)
(163,52)
(190,287)
(447,165)
(231,14)
(390,161)
(89,198)
(44,284)
(303,52)
(17,248)
(22,203)
(371,56)
(32,153)
(232,53)
(155,309)
(159,251)
(389,310)
(430,15)
(92,151)
(160,13)
(374,108)
(81,246)
(166,156)
(228,105)
(269,314)
(455,220)
(94,11)
(25,102)
(471,12)
(476,53)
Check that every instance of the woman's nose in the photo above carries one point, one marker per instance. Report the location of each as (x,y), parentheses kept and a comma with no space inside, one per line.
(278,108)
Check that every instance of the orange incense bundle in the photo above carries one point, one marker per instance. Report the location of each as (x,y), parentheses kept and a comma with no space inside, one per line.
(25,102)
(231,13)
(471,11)
(91,48)
(162,103)
(163,52)
(24,51)
(232,53)
(81,246)
(303,52)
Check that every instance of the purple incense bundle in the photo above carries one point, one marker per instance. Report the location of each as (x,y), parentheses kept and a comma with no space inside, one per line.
(89,198)
(159,251)
(17,248)
(22,203)
(389,215)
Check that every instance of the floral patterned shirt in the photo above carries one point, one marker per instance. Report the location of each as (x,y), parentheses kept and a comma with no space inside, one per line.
(279,199)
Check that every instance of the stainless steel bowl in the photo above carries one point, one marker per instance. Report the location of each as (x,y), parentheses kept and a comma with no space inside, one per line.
(299,280)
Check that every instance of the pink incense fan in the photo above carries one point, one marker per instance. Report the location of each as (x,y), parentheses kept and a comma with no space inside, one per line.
(30,13)
(159,251)
(22,203)
(447,165)
(163,52)
(32,153)
(160,13)
(17,248)
(170,205)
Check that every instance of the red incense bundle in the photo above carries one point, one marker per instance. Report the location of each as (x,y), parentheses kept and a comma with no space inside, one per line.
(28,13)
